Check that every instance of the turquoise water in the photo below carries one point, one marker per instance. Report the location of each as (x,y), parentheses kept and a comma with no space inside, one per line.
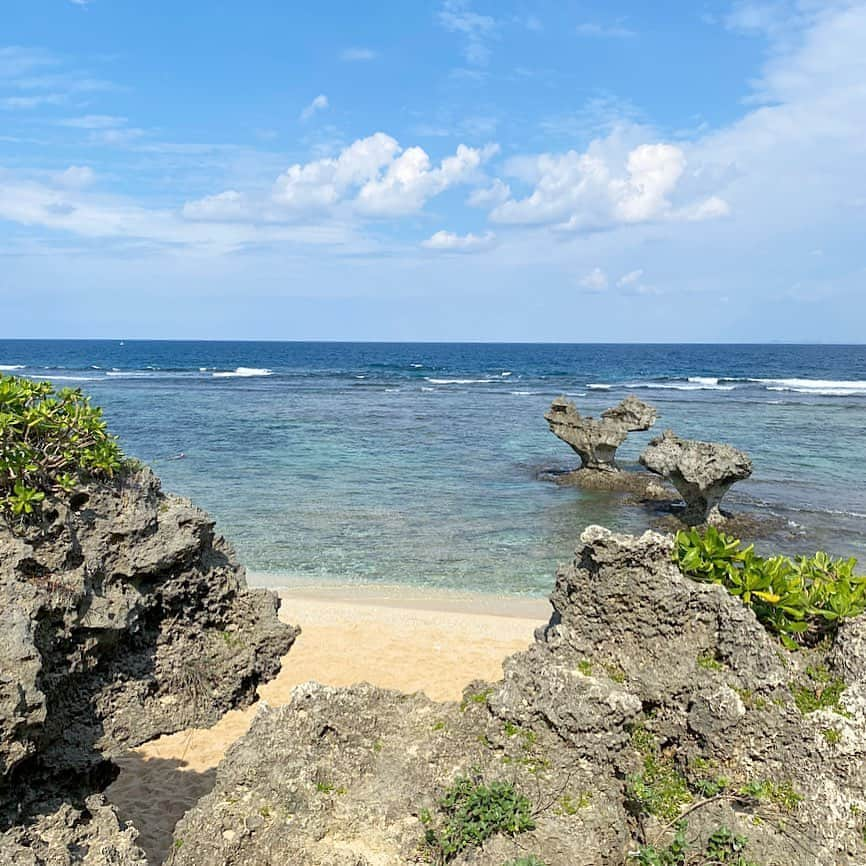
(419,463)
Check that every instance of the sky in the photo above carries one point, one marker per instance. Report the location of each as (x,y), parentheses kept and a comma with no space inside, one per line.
(517,170)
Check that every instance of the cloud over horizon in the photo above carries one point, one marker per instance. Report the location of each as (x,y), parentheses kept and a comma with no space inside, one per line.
(479,150)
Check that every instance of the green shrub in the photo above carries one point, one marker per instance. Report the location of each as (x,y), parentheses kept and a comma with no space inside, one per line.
(801,600)
(49,442)
(722,848)
(472,811)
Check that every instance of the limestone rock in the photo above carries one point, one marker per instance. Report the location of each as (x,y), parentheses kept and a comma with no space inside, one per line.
(122,617)
(634,652)
(702,472)
(596,440)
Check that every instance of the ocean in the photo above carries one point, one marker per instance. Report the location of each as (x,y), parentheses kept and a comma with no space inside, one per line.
(419,463)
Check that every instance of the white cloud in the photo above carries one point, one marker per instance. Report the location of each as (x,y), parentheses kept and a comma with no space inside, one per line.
(451,242)
(110,217)
(374,176)
(358,55)
(630,278)
(476,30)
(325,182)
(605,31)
(13,103)
(495,194)
(76,177)
(589,191)
(320,103)
(94,121)
(16,61)
(411,179)
(711,208)
(595,280)
(225,206)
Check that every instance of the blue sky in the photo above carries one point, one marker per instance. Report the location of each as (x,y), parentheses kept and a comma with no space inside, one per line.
(533,170)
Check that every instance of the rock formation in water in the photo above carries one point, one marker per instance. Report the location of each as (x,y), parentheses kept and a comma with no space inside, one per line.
(122,617)
(596,439)
(648,697)
(702,472)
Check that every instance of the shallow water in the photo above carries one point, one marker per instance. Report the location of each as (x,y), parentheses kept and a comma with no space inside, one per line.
(418,463)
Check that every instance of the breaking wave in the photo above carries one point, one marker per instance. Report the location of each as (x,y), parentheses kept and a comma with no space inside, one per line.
(243,373)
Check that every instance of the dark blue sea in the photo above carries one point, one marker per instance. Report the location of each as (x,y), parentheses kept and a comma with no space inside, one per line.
(419,463)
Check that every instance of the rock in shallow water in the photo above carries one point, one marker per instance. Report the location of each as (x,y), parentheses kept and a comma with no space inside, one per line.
(596,440)
(702,472)
(122,617)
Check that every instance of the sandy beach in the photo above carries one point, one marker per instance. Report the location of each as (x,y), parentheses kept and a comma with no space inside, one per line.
(394,637)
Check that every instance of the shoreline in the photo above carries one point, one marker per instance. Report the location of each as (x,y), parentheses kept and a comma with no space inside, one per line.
(408,596)
(404,638)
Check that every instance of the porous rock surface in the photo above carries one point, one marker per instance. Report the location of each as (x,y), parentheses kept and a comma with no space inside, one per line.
(596,439)
(122,617)
(702,472)
(634,652)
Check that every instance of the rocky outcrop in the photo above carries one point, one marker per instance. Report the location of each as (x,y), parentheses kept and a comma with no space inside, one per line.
(596,439)
(647,696)
(122,617)
(702,472)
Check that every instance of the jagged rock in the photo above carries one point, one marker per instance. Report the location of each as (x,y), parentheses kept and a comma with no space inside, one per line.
(634,653)
(702,472)
(633,413)
(596,440)
(122,617)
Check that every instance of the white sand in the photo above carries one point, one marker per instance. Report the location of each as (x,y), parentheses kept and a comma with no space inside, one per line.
(435,642)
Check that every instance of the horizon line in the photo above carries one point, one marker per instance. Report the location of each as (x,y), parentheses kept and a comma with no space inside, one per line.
(336,341)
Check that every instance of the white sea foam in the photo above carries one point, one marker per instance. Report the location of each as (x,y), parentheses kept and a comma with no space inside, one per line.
(522,393)
(427,389)
(392,390)
(704,380)
(457,381)
(72,378)
(593,386)
(506,373)
(671,386)
(242,373)
(416,366)
(823,387)
(129,374)
(11,366)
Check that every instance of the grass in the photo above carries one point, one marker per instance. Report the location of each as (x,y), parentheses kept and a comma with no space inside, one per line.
(708,662)
(660,789)
(819,690)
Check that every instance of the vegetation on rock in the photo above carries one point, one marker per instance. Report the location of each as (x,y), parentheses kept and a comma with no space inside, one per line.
(49,442)
(801,600)
(722,848)
(472,811)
